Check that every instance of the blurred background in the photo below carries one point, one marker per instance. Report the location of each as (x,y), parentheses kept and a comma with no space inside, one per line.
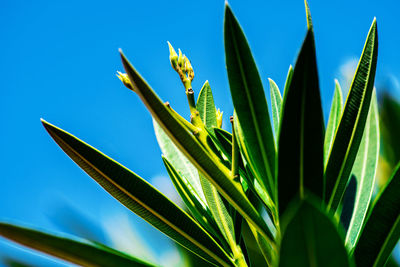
(58,61)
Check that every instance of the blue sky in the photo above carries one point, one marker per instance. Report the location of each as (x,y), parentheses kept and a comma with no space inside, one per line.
(59,58)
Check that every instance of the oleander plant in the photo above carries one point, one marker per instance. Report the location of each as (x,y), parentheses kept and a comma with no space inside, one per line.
(294,192)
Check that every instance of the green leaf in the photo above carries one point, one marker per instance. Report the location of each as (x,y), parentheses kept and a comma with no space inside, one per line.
(381,231)
(179,161)
(140,197)
(205,161)
(219,211)
(333,122)
(364,169)
(288,81)
(77,251)
(206,107)
(352,123)
(250,104)
(276,103)
(200,212)
(308,15)
(311,239)
(300,155)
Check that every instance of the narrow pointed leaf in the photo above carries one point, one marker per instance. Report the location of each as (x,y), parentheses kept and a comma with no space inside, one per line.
(312,239)
(308,15)
(288,81)
(333,122)
(301,132)
(79,252)
(219,211)
(140,197)
(206,162)
(206,107)
(352,123)
(200,212)
(179,161)
(364,169)
(250,103)
(276,103)
(382,228)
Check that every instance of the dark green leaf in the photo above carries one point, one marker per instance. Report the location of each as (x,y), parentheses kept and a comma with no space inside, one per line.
(75,251)
(301,140)
(311,239)
(140,197)
(250,104)
(382,228)
(351,127)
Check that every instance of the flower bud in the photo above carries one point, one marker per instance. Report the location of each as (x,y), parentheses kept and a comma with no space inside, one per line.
(173,56)
(125,80)
(180,58)
(219,118)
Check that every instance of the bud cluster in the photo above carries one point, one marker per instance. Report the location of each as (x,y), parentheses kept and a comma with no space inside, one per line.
(181,64)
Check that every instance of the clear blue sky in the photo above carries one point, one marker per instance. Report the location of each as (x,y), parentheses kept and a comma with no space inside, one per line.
(59,58)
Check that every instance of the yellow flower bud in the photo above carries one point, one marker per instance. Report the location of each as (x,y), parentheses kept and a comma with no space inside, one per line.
(173,56)
(125,80)
(219,118)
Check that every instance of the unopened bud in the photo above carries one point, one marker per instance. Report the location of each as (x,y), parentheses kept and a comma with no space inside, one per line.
(219,118)
(189,69)
(173,56)
(125,80)
(180,58)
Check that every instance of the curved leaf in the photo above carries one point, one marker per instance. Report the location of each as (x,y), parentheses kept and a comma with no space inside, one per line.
(364,169)
(382,228)
(311,239)
(206,162)
(301,132)
(276,103)
(75,251)
(352,123)
(333,122)
(250,104)
(140,197)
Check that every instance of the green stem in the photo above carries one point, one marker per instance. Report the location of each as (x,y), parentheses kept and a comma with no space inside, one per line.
(235,153)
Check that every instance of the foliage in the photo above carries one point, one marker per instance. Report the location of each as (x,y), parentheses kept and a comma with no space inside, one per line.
(286,193)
